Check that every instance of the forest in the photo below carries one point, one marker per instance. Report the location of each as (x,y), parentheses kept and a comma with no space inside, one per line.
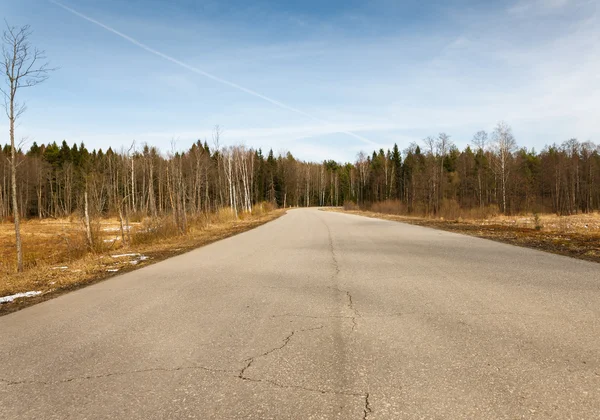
(426,179)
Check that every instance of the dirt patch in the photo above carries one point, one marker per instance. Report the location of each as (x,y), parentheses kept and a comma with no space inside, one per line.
(61,277)
(573,236)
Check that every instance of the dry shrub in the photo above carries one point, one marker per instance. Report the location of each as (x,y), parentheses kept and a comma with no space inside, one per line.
(450,210)
(136,217)
(258,210)
(419,210)
(350,205)
(199,221)
(98,243)
(223,215)
(390,207)
(478,213)
(268,206)
(154,228)
(563,224)
(262,208)
(537,221)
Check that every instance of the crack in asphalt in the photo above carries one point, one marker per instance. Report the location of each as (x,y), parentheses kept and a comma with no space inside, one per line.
(241,375)
(336,274)
(286,341)
(112,374)
(353,309)
(367,409)
(203,368)
(350,306)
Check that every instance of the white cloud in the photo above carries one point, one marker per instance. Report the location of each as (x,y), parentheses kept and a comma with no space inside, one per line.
(524,8)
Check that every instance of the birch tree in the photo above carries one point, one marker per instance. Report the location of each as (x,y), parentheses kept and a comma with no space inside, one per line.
(504,146)
(24,66)
(444,144)
(480,141)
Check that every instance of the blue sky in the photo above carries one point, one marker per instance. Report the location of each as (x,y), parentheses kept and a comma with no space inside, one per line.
(345,75)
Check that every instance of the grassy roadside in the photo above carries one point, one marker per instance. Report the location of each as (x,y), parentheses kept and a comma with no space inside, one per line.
(52,280)
(581,242)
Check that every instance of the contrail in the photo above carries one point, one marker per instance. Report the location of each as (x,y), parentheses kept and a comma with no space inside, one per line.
(203,73)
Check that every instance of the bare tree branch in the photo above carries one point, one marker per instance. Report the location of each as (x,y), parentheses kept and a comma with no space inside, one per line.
(23,66)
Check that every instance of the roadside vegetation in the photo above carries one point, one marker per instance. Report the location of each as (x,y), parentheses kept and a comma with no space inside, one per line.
(58,260)
(576,235)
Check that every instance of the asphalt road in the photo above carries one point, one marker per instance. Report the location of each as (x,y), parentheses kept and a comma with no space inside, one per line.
(317,315)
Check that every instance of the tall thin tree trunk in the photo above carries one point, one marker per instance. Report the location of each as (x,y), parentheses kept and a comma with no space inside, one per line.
(88,228)
(15,201)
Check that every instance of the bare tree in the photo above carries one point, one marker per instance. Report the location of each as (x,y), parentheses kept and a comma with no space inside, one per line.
(480,141)
(504,146)
(231,181)
(24,66)
(431,145)
(444,144)
(216,137)
(362,164)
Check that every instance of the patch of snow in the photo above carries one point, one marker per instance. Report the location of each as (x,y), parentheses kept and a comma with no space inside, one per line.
(64,267)
(115,229)
(6,299)
(112,270)
(139,259)
(124,255)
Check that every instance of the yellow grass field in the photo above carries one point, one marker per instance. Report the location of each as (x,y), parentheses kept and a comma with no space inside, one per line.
(52,241)
(578,223)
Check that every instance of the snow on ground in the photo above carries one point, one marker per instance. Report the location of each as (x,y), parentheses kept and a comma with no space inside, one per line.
(64,267)
(112,270)
(6,299)
(137,257)
(116,229)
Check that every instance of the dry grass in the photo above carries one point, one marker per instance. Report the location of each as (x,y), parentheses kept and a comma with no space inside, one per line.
(575,236)
(57,259)
(578,223)
(449,210)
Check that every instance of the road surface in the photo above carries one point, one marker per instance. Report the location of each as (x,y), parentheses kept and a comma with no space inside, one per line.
(317,315)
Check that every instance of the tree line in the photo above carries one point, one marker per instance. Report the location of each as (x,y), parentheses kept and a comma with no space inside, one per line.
(53,179)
